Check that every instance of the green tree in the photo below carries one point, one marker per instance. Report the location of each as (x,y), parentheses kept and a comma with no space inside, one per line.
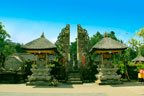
(3,36)
(129,54)
(95,38)
(112,35)
(3,33)
(98,36)
(134,44)
(19,48)
(142,50)
(7,47)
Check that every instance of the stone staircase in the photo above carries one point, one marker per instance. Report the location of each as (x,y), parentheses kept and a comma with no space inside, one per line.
(74,77)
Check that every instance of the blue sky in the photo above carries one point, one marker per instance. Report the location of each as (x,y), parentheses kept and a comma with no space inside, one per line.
(25,20)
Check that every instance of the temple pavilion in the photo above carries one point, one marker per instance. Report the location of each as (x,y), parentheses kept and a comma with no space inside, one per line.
(106,50)
(139,58)
(44,51)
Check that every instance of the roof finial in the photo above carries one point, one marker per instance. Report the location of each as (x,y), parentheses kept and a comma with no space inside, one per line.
(42,36)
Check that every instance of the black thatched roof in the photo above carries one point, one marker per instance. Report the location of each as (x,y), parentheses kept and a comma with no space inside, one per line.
(14,62)
(40,43)
(139,58)
(108,44)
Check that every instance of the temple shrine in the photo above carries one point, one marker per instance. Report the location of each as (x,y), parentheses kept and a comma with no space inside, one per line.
(106,50)
(44,51)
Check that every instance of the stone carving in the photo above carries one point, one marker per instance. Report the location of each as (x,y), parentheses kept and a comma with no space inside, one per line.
(63,41)
(63,45)
(40,73)
(82,44)
(107,74)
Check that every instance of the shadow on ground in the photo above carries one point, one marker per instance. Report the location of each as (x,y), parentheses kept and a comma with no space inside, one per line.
(62,85)
(129,83)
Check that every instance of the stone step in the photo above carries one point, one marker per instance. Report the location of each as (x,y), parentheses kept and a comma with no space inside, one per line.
(74,82)
(75,76)
(74,79)
(74,73)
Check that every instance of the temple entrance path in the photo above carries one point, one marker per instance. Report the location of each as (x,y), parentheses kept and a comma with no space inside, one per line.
(90,89)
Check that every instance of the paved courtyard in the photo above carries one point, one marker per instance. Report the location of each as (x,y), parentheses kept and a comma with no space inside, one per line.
(88,89)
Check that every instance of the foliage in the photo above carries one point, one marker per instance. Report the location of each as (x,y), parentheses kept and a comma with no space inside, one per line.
(134,44)
(121,67)
(138,66)
(19,48)
(131,68)
(126,67)
(141,33)
(3,37)
(73,49)
(58,70)
(11,47)
(112,35)
(54,82)
(142,50)
(7,47)
(3,34)
(88,72)
(129,54)
(95,38)
(3,44)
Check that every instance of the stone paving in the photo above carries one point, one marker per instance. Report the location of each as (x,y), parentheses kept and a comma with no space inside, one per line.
(52,94)
(88,89)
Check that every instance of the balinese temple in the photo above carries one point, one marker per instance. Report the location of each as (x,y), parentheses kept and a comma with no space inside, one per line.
(106,50)
(44,50)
